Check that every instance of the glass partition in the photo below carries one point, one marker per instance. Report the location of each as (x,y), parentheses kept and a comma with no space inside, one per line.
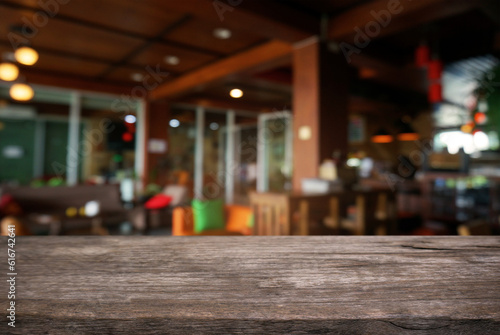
(275,152)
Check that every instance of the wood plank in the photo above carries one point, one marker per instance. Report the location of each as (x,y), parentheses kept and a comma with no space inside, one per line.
(142,18)
(60,35)
(238,18)
(408,14)
(56,80)
(218,70)
(304,218)
(255,285)
(199,33)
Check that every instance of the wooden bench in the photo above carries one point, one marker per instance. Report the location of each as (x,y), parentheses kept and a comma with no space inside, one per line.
(377,285)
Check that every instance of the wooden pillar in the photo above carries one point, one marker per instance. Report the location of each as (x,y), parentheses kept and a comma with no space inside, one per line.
(321,92)
(157,117)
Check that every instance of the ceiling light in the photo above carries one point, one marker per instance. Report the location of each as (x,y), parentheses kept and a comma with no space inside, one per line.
(172,60)
(407,133)
(236,93)
(222,33)
(137,76)
(26,55)
(214,126)
(8,71)
(305,133)
(174,123)
(382,136)
(21,92)
(130,118)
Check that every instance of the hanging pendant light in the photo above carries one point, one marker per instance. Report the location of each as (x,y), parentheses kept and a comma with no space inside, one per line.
(407,133)
(21,92)
(26,55)
(435,70)
(422,55)
(8,72)
(435,93)
(382,136)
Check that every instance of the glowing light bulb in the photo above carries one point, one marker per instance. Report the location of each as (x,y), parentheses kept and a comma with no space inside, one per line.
(26,56)
(21,92)
(236,93)
(8,72)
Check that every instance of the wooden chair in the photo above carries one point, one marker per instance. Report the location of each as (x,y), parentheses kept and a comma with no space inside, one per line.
(476,227)
(293,214)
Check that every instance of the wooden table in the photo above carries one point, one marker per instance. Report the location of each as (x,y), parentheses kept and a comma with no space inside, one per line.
(293,213)
(255,285)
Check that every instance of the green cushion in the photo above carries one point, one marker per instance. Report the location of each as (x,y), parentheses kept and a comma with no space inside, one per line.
(208,215)
(251,221)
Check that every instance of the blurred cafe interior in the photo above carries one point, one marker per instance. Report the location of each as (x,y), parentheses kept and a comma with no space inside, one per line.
(297,117)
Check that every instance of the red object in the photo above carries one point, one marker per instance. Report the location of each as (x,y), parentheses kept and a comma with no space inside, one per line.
(5,200)
(422,56)
(480,118)
(127,137)
(158,201)
(130,127)
(435,93)
(435,70)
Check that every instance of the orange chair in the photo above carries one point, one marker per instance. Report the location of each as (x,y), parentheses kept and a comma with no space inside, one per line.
(237,222)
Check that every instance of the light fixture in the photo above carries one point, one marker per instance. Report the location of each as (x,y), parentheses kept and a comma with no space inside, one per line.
(130,118)
(382,136)
(8,71)
(92,208)
(422,55)
(222,33)
(407,133)
(137,76)
(21,92)
(214,126)
(127,137)
(236,93)
(480,118)
(26,55)
(481,141)
(174,123)
(172,60)
(305,133)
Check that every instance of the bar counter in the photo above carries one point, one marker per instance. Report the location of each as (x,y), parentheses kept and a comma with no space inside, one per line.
(254,285)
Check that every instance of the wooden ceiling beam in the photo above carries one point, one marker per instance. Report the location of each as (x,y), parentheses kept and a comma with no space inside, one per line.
(210,102)
(218,70)
(392,16)
(409,78)
(238,17)
(50,79)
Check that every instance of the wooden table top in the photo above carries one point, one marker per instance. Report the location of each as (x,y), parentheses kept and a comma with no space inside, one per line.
(254,285)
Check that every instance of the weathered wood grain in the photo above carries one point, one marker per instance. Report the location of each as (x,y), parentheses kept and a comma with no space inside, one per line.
(255,285)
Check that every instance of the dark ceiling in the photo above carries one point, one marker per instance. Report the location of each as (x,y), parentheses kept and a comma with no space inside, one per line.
(116,41)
